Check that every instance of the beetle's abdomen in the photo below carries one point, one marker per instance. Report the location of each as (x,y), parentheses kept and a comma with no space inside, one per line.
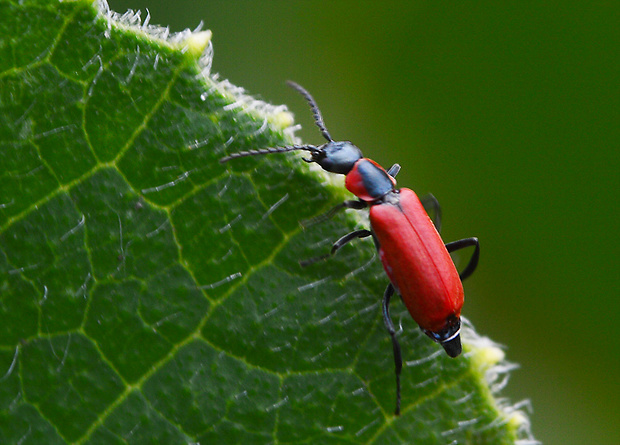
(416,260)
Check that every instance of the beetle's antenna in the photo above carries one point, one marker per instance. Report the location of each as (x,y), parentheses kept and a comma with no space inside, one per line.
(266,151)
(318,118)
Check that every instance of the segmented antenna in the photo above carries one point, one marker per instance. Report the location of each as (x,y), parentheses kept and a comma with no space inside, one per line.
(265,151)
(318,118)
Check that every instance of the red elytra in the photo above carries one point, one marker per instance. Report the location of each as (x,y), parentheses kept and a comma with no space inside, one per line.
(417,261)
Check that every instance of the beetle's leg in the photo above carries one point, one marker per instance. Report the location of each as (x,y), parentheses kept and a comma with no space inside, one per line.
(393,171)
(398,359)
(473,262)
(353,204)
(430,203)
(362,233)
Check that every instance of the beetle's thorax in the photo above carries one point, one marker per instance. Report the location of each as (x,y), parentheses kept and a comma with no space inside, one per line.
(369,181)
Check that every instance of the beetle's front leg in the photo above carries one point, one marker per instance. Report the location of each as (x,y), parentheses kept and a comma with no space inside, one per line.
(352,204)
(362,233)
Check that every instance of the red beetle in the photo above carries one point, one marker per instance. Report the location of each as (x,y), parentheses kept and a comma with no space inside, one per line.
(413,254)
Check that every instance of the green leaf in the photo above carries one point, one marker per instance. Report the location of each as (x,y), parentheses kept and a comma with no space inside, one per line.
(150,294)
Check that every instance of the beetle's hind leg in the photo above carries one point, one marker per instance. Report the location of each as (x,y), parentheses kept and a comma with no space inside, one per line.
(473,262)
(398,359)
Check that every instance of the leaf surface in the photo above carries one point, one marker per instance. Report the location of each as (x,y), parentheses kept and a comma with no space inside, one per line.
(150,293)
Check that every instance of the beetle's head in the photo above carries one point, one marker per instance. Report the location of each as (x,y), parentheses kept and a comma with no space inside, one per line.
(336,156)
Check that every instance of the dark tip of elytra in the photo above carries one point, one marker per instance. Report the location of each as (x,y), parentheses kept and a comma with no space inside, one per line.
(453,346)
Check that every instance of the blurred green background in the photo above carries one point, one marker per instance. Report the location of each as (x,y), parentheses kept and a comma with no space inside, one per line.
(509,113)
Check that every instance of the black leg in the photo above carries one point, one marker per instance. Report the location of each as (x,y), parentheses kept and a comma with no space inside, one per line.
(357,205)
(393,171)
(398,359)
(362,233)
(473,262)
(430,203)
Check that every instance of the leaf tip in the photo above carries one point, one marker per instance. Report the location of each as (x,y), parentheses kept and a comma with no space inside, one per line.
(197,43)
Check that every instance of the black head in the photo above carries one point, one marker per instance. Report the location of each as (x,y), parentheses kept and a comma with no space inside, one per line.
(449,337)
(336,156)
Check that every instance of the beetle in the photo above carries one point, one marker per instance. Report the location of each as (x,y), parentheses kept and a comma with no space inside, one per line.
(415,259)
